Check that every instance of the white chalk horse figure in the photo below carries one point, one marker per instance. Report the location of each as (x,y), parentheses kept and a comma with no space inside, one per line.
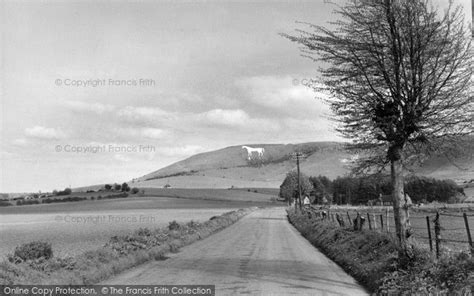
(251,151)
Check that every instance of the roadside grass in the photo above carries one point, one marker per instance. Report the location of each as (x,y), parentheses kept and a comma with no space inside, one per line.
(453,227)
(118,254)
(372,258)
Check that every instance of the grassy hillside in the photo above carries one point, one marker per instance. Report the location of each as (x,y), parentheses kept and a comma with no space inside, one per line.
(230,166)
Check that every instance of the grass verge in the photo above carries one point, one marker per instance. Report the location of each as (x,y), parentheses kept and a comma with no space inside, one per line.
(372,258)
(117,255)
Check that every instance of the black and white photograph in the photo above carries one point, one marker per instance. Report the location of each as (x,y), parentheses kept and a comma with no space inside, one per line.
(236,147)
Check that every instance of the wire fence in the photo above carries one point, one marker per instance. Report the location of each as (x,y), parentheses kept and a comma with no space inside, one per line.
(439,229)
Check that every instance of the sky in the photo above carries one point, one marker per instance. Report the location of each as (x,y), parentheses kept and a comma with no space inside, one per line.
(97,92)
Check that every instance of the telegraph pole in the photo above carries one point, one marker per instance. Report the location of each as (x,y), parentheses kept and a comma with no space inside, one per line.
(298,155)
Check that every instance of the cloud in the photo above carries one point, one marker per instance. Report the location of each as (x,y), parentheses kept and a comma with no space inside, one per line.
(20,142)
(121,158)
(41,132)
(144,114)
(146,132)
(226,117)
(153,133)
(281,95)
(88,107)
(235,119)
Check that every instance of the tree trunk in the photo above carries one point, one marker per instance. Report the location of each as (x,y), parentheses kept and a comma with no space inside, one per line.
(400,207)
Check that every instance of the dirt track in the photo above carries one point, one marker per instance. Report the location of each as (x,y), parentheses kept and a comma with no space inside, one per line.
(262,254)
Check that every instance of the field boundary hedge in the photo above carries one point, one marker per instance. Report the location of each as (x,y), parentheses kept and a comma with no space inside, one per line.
(119,254)
(372,259)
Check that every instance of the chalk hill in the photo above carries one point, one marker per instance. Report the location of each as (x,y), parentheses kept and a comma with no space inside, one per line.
(230,166)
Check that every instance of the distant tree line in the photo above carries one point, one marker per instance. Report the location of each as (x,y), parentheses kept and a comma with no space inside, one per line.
(359,190)
(117,187)
(66,191)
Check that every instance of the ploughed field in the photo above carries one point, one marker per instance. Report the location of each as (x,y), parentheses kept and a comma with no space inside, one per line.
(75,227)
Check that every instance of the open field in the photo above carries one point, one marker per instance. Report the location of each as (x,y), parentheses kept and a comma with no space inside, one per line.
(74,227)
(265,195)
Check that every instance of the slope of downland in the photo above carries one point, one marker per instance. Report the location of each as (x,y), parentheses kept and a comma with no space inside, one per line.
(230,167)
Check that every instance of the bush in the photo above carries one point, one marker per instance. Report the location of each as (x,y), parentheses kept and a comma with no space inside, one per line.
(125,187)
(135,190)
(27,202)
(119,195)
(193,224)
(66,191)
(143,232)
(4,203)
(174,225)
(66,199)
(33,250)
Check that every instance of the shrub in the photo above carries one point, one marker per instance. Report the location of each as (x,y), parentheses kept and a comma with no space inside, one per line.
(174,225)
(193,224)
(125,187)
(66,199)
(27,202)
(66,191)
(33,250)
(119,195)
(4,203)
(135,190)
(143,232)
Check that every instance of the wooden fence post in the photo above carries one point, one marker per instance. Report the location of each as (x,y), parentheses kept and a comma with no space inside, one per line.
(349,218)
(340,220)
(437,229)
(368,219)
(375,221)
(429,232)
(381,222)
(387,220)
(468,233)
(361,222)
(357,222)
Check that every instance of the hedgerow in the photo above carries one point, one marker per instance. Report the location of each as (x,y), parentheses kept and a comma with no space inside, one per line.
(372,258)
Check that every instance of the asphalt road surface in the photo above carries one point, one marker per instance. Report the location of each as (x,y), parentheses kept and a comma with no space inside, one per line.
(262,254)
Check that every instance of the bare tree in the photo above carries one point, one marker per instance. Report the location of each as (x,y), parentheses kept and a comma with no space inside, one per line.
(398,76)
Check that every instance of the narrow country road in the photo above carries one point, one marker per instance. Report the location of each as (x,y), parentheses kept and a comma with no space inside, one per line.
(262,254)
